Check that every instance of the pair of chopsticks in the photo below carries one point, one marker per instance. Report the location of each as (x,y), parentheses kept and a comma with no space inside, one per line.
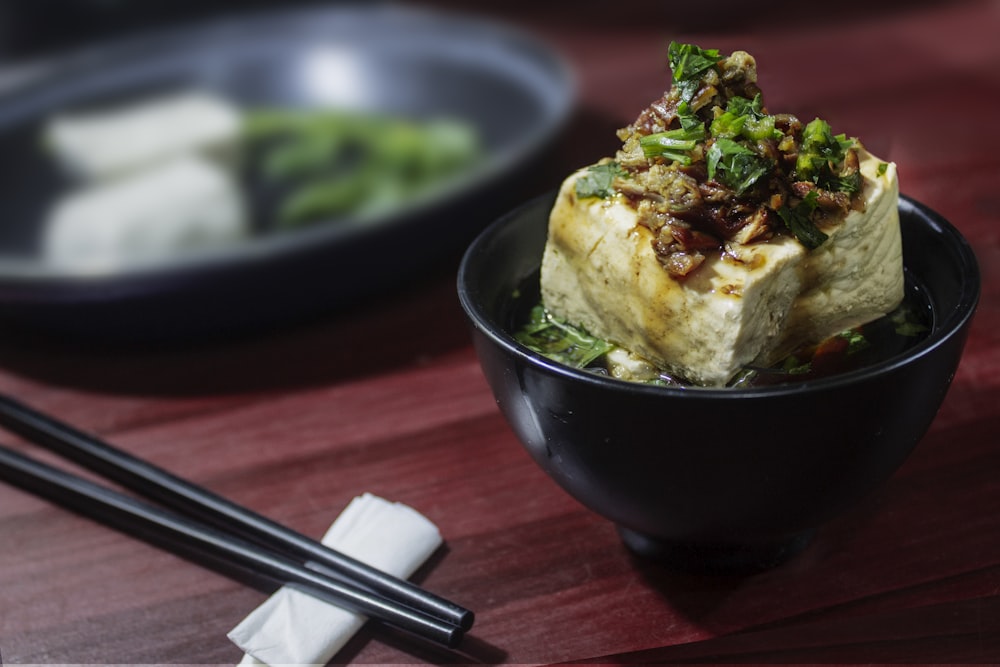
(196,520)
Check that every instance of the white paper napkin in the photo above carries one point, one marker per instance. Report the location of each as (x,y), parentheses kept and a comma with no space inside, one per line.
(293,628)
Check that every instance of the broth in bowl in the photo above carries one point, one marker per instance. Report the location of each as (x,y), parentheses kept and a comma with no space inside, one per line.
(848,350)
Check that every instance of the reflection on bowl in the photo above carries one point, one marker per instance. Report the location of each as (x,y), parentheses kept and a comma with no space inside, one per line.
(718,479)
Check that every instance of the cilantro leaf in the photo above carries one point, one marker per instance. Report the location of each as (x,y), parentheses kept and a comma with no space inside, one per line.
(688,63)
(559,341)
(599,180)
(741,106)
(799,222)
(849,183)
(689,120)
(735,165)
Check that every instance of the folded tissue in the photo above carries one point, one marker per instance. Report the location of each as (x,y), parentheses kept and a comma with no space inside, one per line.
(293,628)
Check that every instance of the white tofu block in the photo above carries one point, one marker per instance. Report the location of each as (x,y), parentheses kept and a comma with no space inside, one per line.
(749,304)
(181,206)
(856,276)
(101,144)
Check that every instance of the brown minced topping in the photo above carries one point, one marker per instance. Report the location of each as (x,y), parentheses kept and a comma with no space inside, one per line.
(691,213)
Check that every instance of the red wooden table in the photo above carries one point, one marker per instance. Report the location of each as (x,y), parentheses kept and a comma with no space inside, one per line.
(388,398)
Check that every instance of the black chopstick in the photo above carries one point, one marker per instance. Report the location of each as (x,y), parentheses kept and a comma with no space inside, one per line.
(125,512)
(189,499)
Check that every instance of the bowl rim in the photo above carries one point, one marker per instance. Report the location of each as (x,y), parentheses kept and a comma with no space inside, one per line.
(946,325)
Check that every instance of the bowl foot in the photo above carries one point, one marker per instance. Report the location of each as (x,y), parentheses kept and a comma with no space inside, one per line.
(710,558)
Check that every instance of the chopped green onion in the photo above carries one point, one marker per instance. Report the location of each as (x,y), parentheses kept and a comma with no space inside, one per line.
(673,144)
(821,156)
(728,125)
(793,366)
(856,340)
(745,118)
(761,128)
(906,323)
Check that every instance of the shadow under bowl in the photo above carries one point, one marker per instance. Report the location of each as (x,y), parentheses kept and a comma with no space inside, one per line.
(719,480)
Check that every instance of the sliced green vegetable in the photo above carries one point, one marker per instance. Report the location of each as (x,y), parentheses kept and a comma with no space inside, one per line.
(332,163)
(335,195)
(297,159)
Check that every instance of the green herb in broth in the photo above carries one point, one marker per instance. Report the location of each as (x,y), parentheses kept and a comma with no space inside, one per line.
(845,351)
(560,341)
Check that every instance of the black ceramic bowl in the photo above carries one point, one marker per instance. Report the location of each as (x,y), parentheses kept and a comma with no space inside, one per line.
(717,479)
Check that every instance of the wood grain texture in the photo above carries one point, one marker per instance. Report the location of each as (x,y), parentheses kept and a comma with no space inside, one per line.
(296,422)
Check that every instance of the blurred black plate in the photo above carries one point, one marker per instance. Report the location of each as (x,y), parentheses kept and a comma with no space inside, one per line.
(387,59)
